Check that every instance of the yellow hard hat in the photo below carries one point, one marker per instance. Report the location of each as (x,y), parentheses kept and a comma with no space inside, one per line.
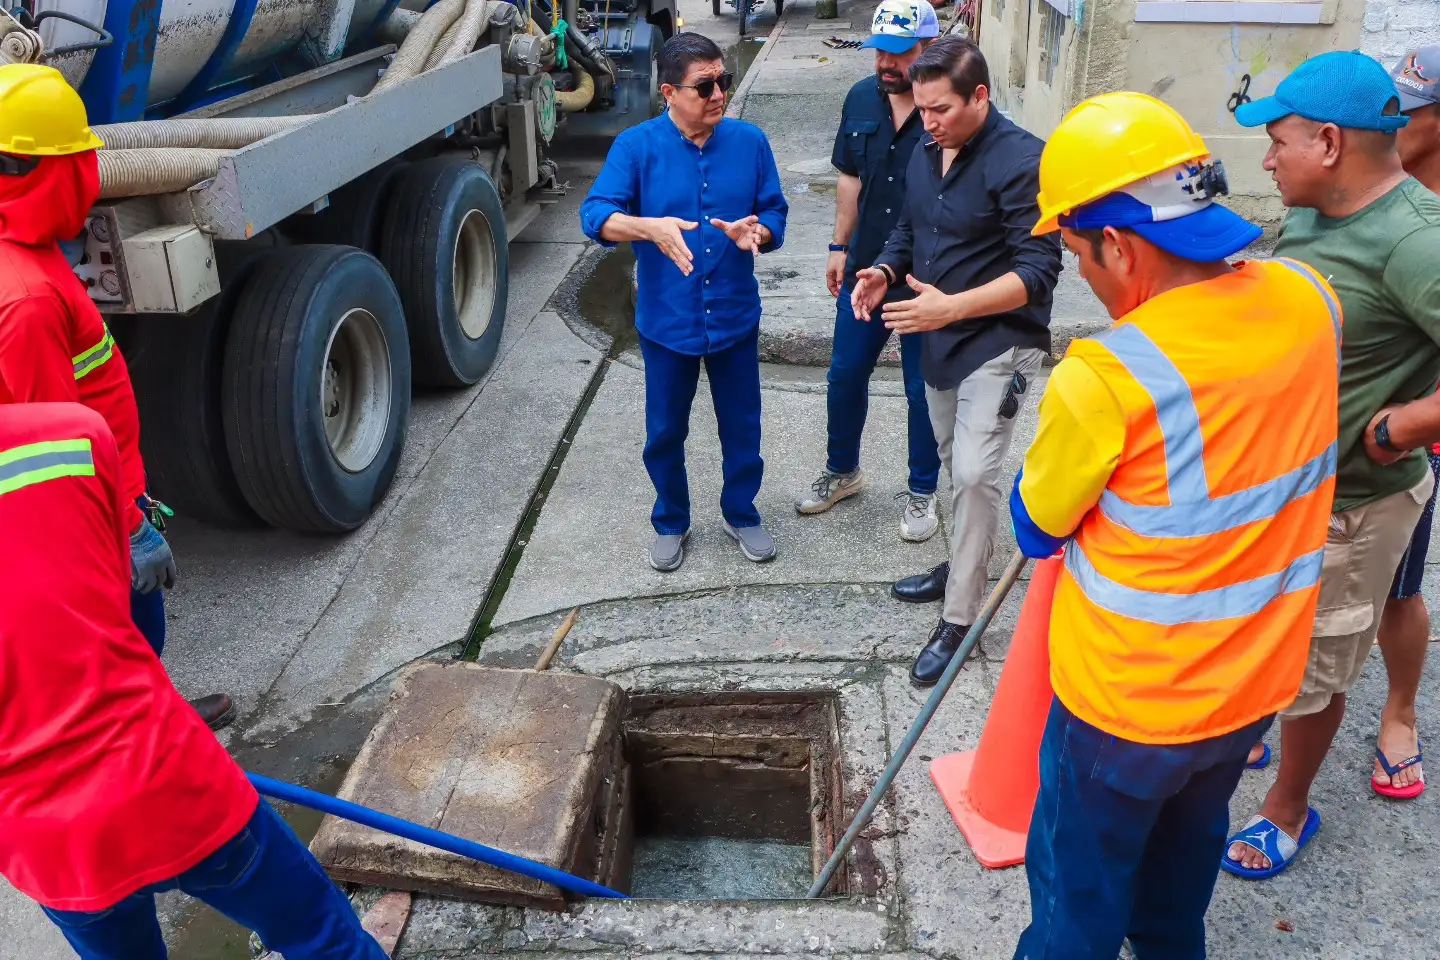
(40,114)
(1106,143)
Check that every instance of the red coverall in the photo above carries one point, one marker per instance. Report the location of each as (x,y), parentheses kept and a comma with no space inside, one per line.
(53,344)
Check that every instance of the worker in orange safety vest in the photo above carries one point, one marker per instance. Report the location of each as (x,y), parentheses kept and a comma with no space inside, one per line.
(1185,462)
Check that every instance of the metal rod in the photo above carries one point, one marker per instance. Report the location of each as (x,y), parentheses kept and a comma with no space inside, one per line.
(902,753)
(364,816)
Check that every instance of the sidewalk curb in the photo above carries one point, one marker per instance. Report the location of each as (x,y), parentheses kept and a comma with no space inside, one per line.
(737,102)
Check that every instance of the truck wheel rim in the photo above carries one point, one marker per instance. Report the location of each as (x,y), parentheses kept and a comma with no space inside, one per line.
(355,390)
(475,273)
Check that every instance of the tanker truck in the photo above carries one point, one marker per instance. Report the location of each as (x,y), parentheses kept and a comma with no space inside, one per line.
(305,212)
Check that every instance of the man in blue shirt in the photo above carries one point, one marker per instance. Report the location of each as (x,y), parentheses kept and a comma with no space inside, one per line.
(697,196)
(879,128)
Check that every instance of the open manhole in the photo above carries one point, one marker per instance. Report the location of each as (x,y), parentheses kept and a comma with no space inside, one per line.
(734,795)
(729,796)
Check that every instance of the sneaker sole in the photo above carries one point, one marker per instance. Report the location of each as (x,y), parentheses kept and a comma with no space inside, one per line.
(678,560)
(841,494)
(753,558)
(911,538)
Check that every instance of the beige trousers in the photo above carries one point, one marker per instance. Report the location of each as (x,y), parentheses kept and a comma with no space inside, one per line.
(973,439)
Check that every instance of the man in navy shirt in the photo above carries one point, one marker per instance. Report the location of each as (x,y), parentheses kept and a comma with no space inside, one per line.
(879,128)
(697,196)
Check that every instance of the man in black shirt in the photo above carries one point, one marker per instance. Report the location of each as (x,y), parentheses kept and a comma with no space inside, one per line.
(983,290)
(879,130)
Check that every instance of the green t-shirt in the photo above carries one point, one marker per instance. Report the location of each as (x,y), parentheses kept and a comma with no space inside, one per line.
(1384,262)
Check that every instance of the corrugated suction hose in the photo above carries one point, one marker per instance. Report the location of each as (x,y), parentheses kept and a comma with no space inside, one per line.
(573,101)
(221,133)
(145,172)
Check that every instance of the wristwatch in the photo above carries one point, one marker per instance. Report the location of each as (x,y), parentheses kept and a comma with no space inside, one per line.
(1382,435)
(839,247)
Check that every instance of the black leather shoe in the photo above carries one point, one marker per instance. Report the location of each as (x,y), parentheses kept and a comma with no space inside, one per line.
(936,656)
(923,587)
(217,710)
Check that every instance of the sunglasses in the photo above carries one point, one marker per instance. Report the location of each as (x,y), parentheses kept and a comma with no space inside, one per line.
(706,88)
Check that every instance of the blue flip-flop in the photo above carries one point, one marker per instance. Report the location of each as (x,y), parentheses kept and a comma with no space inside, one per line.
(1270,840)
(1264,760)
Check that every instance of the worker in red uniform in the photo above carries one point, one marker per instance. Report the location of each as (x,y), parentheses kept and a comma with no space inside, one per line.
(111,788)
(53,344)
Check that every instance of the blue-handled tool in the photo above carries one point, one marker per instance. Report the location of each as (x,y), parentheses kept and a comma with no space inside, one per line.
(366,817)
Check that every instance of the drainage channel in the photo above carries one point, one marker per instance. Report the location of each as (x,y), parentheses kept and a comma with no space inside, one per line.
(605,300)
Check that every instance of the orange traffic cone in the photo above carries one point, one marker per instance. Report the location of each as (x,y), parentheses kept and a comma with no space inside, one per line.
(991,791)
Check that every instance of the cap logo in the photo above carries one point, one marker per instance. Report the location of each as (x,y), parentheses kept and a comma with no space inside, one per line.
(1413,75)
(896,18)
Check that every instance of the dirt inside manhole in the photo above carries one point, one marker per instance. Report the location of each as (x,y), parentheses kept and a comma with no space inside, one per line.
(734,796)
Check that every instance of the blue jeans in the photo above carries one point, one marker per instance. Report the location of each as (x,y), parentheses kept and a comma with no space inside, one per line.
(1126,841)
(670,382)
(263,879)
(148,609)
(852,361)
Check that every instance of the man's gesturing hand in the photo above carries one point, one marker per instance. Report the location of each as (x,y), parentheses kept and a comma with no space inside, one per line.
(870,286)
(929,310)
(665,233)
(747,234)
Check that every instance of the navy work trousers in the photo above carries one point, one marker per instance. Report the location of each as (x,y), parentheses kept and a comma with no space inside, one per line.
(670,382)
(263,879)
(856,350)
(1126,841)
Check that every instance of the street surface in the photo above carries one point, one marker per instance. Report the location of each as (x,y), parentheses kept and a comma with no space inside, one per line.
(307,633)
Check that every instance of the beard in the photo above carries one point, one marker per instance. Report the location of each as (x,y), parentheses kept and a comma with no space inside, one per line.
(893,82)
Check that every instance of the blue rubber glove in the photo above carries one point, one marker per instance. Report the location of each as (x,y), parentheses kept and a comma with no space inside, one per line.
(152,564)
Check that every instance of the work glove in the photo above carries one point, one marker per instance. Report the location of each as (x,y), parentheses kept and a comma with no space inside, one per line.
(152,564)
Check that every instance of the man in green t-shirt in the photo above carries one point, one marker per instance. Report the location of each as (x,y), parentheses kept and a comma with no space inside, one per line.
(1373,232)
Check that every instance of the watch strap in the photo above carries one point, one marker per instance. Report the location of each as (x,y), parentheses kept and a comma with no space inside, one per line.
(839,247)
(1382,435)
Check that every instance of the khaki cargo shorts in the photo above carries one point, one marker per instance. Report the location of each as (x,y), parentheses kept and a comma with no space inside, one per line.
(1362,550)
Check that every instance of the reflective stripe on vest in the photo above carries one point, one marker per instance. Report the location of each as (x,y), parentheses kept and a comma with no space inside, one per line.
(1192,511)
(95,356)
(1243,599)
(1331,304)
(48,460)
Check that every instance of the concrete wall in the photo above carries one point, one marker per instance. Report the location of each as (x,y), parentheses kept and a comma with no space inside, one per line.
(1042,64)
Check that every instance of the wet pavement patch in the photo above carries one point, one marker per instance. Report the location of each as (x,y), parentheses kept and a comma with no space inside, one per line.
(607,299)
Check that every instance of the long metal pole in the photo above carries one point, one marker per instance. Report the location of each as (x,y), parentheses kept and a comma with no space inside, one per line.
(902,753)
(364,816)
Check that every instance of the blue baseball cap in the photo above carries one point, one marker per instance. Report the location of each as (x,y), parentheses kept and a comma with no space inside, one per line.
(1343,87)
(900,24)
(1174,209)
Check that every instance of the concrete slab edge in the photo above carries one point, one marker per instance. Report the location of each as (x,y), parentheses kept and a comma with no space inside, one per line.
(736,109)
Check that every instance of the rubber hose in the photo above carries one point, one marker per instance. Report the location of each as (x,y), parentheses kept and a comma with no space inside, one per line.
(573,101)
(585,58)
(146,172)
(410,58)
(467,32)
(222,133)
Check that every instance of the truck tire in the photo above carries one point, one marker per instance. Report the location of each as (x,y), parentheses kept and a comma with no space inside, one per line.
(446,247)
(316,387)
(355,213)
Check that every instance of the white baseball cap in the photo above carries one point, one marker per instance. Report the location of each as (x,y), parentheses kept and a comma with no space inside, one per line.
(900,24)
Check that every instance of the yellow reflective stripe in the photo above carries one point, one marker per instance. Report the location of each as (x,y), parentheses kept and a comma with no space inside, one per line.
(49,460)
(95,356)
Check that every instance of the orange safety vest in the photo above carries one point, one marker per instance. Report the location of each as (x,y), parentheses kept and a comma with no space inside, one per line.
(1185,607)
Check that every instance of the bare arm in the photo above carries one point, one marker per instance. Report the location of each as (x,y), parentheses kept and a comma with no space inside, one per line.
(847,212)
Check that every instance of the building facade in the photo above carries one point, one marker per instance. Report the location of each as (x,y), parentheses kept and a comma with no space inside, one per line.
(1200,56)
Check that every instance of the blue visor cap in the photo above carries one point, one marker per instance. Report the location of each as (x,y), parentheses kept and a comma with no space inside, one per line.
(1209,234)
(890,43)
(1345,88)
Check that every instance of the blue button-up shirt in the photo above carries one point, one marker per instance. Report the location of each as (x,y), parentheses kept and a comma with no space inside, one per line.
(653,170)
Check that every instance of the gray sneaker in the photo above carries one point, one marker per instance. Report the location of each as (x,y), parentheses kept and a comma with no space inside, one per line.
(829,489)
(668,551)
(755,543)
(918,522)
